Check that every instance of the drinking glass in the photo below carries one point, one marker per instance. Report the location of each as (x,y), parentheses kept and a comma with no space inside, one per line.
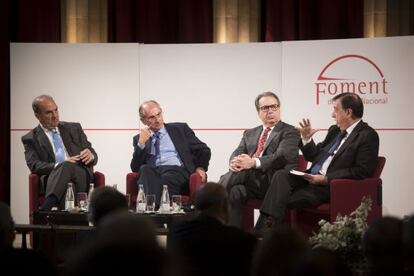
(176,203)
(150,203)
(82,199)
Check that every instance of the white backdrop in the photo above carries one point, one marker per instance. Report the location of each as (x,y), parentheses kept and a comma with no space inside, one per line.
(212,87)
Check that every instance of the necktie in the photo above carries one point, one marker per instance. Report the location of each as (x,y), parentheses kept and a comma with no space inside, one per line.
(334,145)
(155,151)
(59,148)
(262,141)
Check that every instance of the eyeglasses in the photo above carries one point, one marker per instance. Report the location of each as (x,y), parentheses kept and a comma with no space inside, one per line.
(266,108)
(156,116)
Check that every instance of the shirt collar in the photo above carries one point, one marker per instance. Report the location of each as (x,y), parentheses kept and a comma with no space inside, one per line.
(351,127)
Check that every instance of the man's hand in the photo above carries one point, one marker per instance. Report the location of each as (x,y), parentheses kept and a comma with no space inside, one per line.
(243,162)
(144,135)
(86,156)
(316,179)
(306,130)
(202,173)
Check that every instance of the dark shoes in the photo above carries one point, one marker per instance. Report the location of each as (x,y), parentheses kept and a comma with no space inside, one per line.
(264,224)
(50,202)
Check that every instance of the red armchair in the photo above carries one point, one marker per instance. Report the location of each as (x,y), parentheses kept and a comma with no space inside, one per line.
(346,196)
(251,204)
(36,198)
(132,187)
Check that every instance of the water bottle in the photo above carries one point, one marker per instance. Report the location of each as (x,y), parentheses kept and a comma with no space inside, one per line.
(115,186)
(91,188)
(141,202)
(69,198)
(165,200)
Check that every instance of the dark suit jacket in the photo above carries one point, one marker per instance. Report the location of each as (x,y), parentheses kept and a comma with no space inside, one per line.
(206,246)
(355,159)
(192,151)
(39,154)
(280,151)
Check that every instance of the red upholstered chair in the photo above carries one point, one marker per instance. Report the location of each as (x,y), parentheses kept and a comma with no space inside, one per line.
(346,196)
(36,198)
(248,209)
(132,187)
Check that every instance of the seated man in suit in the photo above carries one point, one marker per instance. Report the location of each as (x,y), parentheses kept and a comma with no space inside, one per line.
(166,153)
(204,244)
(58,152)
(350,150)
(262,151)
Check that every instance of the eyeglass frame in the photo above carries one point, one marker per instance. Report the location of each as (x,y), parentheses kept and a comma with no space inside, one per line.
(266,108)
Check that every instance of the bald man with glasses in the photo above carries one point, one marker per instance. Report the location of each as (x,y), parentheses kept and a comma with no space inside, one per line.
(262,151)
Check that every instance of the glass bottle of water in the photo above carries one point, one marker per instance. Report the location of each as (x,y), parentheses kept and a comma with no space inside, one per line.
(69,198)
(165,200)
(115,186)
(91,188)
(141,202)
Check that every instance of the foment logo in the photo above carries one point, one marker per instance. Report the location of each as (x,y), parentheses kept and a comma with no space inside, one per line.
(355,74)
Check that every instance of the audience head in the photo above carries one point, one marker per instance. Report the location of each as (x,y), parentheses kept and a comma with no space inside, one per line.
(280,252)
(105,200)
(383,247)
(6,227)
(46,111)
(408,240)
(123,243)
(211,199)
(268,107)
(323,261)
(150,113)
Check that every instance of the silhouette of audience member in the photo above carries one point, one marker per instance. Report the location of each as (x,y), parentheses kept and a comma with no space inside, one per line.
(408,240)
(105,200)
(323,261)
(280,252)
(383,247)
(19,261)
(204,244)
(124,242)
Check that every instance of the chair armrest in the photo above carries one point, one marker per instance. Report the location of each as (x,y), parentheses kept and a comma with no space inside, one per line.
(132,187)
(99,179)
(195,184)
(346,196)
(34,187)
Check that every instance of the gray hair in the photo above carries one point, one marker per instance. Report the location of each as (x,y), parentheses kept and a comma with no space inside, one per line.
(37,100)
(141,107)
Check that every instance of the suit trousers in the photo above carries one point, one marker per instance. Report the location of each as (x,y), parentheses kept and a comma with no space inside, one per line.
(153,178)
(64,173)
(241,186)
(292,192)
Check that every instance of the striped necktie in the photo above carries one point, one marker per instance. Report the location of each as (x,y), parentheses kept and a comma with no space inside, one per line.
(261,144)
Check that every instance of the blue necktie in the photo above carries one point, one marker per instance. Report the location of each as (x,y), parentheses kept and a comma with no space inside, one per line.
(59,149)
(155,151)
(335,144)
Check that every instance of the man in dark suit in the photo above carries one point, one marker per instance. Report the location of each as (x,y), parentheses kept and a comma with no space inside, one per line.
(350,150)
(262,151)
(204,244)
(166,154)
(58,152)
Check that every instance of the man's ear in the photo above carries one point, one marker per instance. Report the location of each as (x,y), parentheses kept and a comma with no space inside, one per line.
(37,115)
(143,121)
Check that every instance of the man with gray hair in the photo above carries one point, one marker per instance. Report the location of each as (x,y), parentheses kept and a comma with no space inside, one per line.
(59,152)
(166,153)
